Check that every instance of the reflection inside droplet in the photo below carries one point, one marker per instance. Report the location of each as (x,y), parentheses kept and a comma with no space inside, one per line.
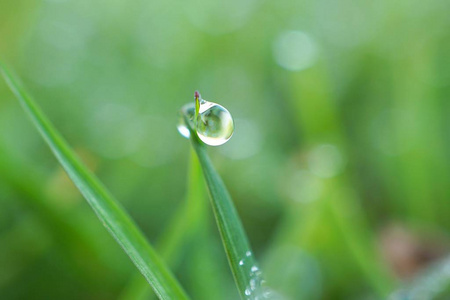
(215,125)
(213,122)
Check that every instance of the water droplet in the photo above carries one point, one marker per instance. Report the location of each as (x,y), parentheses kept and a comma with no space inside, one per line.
(241,262)
(267,293)
(247,292)
(189,110)
(254,269)
(248,253)
(252,284)
(215,125)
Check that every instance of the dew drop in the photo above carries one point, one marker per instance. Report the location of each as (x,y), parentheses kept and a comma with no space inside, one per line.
(247,292)
(248,253)
(215,125)
(188,110)
(254,269)
(267,293)
(241,262)
(253,284)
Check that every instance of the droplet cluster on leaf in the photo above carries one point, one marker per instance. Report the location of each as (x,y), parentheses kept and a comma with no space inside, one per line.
(212,122)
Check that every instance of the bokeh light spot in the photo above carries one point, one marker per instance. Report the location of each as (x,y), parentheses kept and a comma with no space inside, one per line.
(295,50)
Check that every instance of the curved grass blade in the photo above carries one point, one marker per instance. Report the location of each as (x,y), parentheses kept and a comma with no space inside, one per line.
(109,211)
(243,265)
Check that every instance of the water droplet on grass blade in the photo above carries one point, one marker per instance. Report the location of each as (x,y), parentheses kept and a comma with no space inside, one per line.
(215,125)
(252,284)
(188,110)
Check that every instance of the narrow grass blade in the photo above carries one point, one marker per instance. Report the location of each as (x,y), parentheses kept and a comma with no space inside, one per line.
(187,219)
(109,211)
(240,257)
(183,226)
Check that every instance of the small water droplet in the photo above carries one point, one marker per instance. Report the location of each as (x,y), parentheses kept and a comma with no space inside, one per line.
(189,110)
(248,253)
(254,269)
(215,125)
(253,284)
(247,292)
(241,262)
(268,293)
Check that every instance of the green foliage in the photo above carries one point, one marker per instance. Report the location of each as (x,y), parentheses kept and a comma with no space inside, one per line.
(237,248)
(108,210)
(338,166)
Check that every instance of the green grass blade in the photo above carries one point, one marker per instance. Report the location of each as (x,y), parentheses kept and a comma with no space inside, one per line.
(110,213)
(187,219)
(183,226)
(240,257)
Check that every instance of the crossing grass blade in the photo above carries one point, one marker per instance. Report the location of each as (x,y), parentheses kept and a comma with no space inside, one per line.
(108,210)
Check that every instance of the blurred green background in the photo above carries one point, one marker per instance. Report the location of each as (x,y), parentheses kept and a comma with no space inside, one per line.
(339,164)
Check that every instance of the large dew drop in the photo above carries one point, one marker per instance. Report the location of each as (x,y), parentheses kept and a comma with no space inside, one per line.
(215,125)
(189,111)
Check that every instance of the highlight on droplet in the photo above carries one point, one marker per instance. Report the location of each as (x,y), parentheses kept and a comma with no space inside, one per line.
(189,111)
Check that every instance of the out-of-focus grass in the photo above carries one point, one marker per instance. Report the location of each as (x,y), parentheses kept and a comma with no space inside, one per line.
(109,211)
(332,151)
(184,225)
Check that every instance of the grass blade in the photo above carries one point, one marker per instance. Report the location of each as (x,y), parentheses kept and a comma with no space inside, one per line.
(187,219)
(109,211)
(240,257)
(183,226)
